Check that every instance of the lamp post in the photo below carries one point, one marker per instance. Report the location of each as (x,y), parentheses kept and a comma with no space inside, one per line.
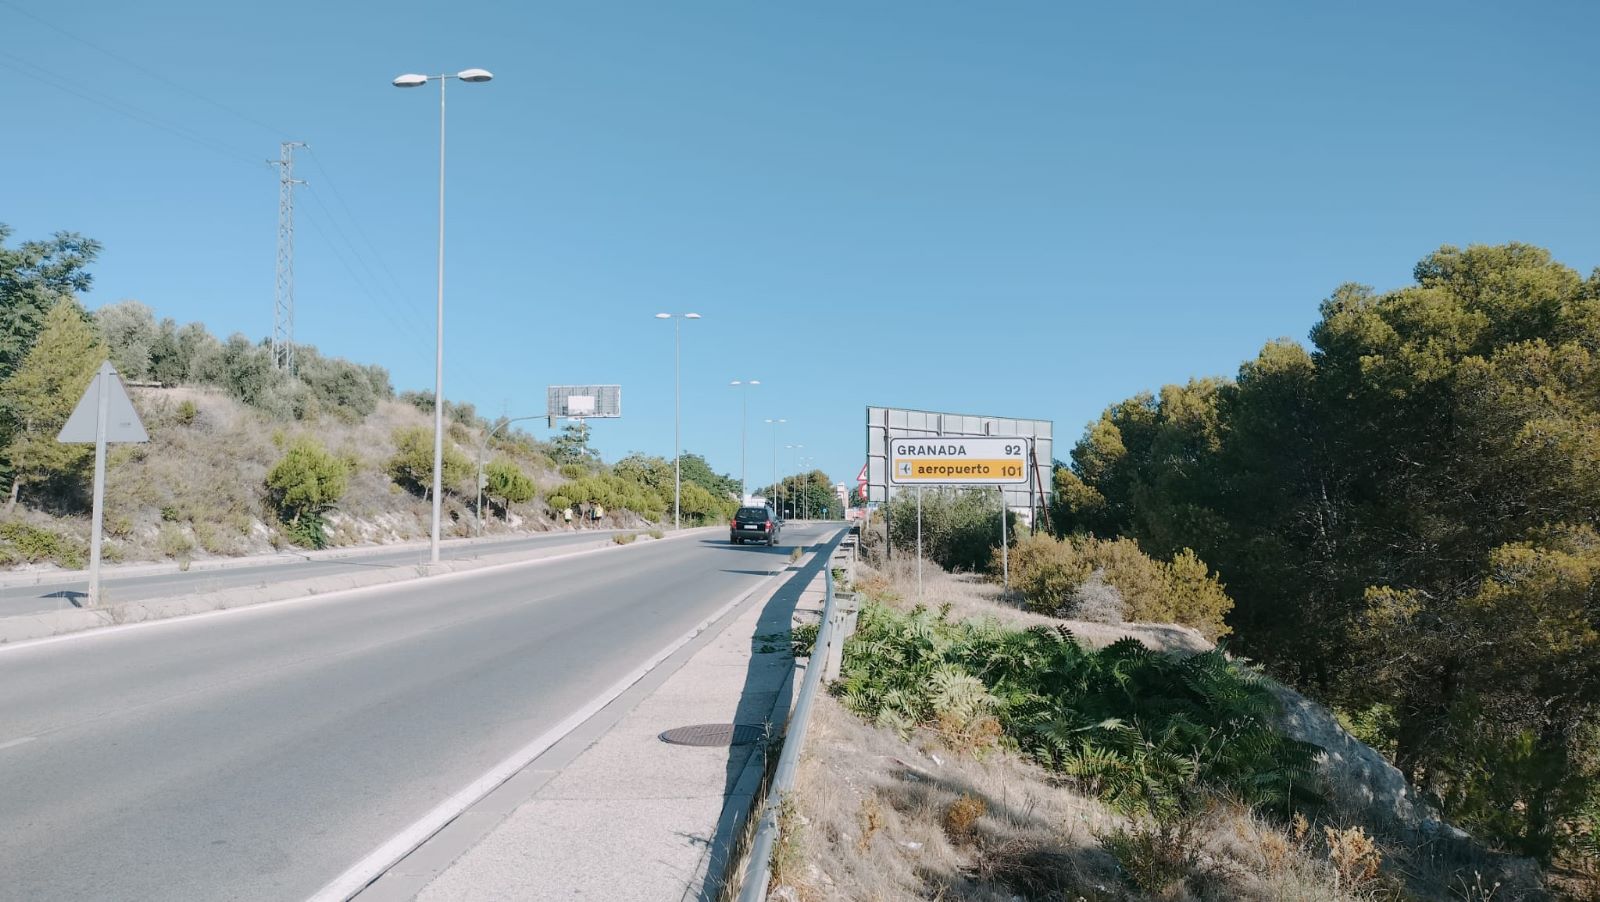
(677,412)
(481,450)
(471,76)
(744,420)
(776,489)
(805,498)
(794,463)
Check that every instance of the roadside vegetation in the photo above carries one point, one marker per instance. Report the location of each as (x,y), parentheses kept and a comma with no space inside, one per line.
(1405,516)
(1401,521)
(245,457)
(983,751)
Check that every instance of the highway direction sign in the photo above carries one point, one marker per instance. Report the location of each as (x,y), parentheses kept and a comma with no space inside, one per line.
(1001,460)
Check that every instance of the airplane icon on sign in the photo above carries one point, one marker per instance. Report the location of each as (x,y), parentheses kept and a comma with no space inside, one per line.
(905,469)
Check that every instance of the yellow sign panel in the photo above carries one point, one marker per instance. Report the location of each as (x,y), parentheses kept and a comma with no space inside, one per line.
(941,469)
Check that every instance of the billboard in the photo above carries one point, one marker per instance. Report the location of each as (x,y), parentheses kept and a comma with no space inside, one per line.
(1028,491)
(583,402)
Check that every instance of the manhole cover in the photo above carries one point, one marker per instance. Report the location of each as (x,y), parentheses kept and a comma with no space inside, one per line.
(714,734)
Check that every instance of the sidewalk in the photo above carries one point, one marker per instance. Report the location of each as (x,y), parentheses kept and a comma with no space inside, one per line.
(611,811)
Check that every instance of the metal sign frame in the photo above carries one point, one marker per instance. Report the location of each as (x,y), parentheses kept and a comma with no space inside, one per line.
(582,402)
(887,423)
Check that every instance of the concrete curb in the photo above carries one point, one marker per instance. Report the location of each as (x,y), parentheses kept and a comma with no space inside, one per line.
(33,628)
(50,577)
(755,768)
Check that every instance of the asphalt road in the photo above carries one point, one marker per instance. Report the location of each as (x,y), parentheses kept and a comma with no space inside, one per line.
(258,754)
(137,587)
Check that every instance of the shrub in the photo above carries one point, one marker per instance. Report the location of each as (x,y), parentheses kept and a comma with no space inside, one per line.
(624,538)
(656,534)
(1069,578)
(411,465)
(31,544)
(1145,732)
(960,529)
(303,485)
(962,815)
(1155,858)
(803,638)
(173,542)
(506,481)
(1355,858)
(187,411)
(339,384)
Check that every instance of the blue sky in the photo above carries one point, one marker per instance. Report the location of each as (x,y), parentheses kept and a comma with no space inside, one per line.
(1027,209)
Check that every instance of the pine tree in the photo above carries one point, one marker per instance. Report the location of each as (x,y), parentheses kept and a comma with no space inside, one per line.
(37,399)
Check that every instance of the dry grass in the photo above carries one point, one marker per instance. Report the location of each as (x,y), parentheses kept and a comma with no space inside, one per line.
(196,489)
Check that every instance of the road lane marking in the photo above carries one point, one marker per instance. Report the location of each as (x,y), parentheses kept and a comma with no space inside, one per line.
(364,872)
(336,595)
(21,740)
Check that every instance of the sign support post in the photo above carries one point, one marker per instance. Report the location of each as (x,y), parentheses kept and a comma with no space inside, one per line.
(919,543)
(1005,551)
(96,533)
(104,414)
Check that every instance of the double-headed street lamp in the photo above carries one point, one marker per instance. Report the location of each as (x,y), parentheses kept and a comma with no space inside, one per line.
(776,489)
(677,412)
(744,421)
(794,463)
(471,76)
(805,498)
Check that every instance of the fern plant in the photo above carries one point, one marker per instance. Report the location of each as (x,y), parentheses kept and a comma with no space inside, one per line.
(1148,733)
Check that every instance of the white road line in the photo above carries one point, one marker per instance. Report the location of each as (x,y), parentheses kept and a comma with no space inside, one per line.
(337,595)
(403,843)
(21,740)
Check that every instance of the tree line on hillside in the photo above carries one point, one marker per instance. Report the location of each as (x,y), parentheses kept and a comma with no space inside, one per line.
(1406,516)
(50,346)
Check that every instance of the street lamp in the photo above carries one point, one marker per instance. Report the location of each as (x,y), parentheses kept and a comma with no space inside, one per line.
(744,420)
(416,81)
(794,462)
(677,412)
(805,499)
(484,447)
(775,488)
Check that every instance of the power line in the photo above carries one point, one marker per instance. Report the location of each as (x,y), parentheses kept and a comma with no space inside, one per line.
(355,224)
(177,86)
(361,260)
(46,77)
(382,309)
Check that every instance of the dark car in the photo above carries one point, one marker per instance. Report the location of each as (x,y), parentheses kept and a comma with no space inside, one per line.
(754,524)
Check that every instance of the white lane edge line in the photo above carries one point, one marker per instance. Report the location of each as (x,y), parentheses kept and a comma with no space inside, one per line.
(370,868)
(335,595)
(21,740)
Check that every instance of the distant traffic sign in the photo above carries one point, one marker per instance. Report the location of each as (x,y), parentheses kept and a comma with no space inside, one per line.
(958,461)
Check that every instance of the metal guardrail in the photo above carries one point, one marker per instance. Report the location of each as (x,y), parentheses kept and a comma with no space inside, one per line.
(754,886)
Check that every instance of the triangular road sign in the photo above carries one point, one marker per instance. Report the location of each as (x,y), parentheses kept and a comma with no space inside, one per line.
(122,421)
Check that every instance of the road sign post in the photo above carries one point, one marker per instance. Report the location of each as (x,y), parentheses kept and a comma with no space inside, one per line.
(104,414)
